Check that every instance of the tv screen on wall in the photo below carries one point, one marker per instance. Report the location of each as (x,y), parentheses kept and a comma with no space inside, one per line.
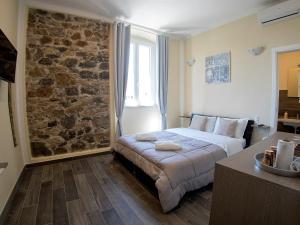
(8,58)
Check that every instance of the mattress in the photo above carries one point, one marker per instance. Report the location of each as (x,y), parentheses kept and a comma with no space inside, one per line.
(176,173)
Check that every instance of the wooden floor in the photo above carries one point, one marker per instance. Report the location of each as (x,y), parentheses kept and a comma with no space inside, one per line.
(97,190)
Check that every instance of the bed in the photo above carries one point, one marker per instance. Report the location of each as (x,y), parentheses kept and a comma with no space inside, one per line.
(177,172)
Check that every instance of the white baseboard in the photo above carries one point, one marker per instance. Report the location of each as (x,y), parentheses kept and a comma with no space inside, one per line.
(69,155)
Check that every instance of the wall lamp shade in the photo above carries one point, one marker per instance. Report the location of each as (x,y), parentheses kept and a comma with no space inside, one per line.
(190,62)
(256,51)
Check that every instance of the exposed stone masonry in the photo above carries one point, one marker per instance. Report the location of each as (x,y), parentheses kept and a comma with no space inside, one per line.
(67,83)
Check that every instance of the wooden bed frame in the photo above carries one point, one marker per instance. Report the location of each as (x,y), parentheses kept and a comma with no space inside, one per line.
(147,181)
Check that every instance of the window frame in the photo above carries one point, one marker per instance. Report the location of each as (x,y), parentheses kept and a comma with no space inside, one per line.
(137,41)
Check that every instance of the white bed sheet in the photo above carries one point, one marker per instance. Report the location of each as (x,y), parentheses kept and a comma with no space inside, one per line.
(230,145)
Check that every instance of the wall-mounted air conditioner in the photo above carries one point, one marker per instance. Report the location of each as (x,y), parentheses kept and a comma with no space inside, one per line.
(279,12)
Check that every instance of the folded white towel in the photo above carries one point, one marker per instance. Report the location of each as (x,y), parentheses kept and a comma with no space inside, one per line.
(167,146)
(145,137)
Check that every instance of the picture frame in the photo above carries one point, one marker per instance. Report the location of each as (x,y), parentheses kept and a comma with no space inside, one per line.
(218,68)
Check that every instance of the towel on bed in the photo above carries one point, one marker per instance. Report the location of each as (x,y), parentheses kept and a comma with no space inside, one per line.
(167,146)
(145,137)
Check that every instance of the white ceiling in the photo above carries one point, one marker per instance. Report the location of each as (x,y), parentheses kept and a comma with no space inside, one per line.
(173,16)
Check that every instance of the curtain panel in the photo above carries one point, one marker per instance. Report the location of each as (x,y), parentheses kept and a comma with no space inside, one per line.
(163,59)
(122,49)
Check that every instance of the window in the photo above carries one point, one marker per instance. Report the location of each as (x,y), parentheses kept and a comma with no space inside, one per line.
(141,83)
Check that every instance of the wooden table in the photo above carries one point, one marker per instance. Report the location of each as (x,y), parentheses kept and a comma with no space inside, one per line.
(246,195)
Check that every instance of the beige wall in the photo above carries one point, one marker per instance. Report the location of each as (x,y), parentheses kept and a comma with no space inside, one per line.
(287,61)
(249,93)
(144,119)
(174,84)
(141,119)
(8,24)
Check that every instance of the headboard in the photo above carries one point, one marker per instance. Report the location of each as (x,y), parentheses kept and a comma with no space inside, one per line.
(248,132)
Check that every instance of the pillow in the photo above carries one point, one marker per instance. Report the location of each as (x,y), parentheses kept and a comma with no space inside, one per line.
(210,124)
(225,127)
(240,127)
(198,122)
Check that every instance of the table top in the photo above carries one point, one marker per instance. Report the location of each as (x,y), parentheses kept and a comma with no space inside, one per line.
(244,162)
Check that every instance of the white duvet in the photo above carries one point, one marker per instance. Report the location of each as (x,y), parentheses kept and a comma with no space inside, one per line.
(230,145)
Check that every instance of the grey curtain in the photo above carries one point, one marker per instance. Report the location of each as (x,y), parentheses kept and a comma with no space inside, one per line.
(122,48)
(163,59)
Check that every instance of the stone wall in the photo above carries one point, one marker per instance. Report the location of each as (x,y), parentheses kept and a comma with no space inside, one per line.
(67,83)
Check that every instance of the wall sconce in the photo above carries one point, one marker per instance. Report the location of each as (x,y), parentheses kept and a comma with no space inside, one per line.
(256,51)
(190,62)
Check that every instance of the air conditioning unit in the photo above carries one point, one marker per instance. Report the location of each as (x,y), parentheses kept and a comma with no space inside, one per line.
(279,12)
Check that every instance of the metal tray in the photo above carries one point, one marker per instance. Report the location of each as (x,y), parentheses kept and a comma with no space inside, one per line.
(286,173)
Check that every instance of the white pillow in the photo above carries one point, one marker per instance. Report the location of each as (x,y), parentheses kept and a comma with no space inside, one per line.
(225,127)
(210,124)
(240,127)
(198,122)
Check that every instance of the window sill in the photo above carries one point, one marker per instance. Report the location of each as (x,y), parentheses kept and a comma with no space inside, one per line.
(140,106)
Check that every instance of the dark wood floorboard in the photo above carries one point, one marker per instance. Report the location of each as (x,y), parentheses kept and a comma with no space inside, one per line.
(96,218)
(97,190)
(77,214)
(47,173)
(16,210)
(19,199)
(98,193)
(85,193)
(45,210)
(33,192)
(60,213)
(66,165)
(25,180)
(115,196)
(111,217)
(58,177)
(28,216)
(85,166)
(70,186)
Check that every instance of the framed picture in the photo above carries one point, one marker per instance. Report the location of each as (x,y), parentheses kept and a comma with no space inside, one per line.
(217,68)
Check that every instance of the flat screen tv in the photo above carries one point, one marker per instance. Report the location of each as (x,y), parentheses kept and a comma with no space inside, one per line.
(8,58)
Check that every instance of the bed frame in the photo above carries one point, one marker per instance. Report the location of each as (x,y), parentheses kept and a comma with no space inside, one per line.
(139,174)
